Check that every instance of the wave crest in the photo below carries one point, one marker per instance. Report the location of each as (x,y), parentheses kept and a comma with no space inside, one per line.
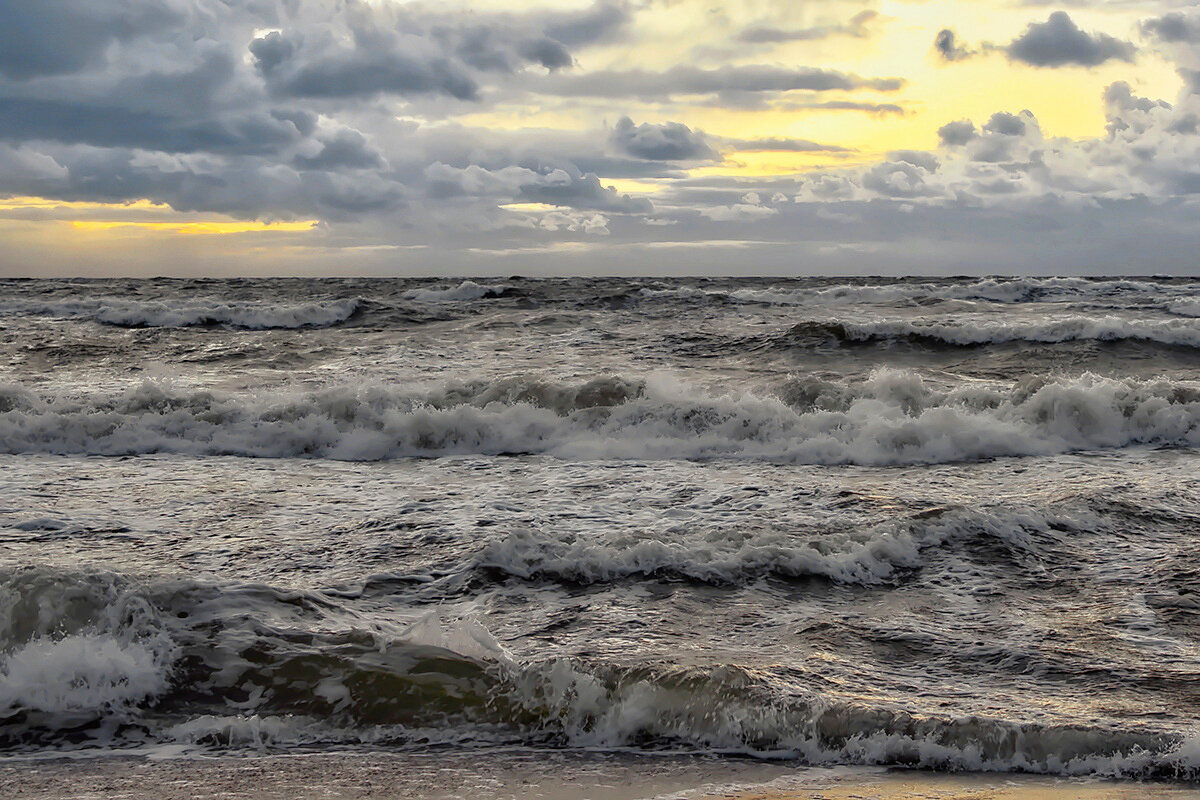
(195,313)
(893,418)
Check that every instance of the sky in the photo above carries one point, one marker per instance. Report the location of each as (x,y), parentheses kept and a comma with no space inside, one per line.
(609,137)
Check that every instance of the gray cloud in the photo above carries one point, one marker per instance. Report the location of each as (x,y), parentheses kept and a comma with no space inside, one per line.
(249,132)
(556,183)
(782,145)
(684,80)
(56,37)
(604,21)
(1174,27)
(947,46)
(347,149)
(409,50)
(672,141)
(877,109)
(956,134)
(1059,42)
(767,34)
(393,63)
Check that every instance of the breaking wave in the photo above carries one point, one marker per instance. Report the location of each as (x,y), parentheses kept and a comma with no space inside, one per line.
(103,660)
(892,418)
(971,333)
(185,314)
(736,557)
(465,291)
(994,290)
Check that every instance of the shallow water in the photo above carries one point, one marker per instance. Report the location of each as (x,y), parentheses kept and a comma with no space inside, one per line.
(945,524)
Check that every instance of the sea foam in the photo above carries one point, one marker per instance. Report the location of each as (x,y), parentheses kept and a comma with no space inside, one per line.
(891,419)
(191,313)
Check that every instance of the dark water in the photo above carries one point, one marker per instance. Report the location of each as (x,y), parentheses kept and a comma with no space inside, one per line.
(948,524)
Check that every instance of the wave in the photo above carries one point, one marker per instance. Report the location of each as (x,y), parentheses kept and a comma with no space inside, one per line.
(893,418)
(857,556)
(994,290)
(1185,308)
(98,659)
(972,333)
(185,314)
(463,292)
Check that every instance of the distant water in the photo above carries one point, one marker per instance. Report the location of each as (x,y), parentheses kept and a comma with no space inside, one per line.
(940,523)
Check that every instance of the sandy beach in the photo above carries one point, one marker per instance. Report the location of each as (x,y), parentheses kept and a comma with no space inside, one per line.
(528,775)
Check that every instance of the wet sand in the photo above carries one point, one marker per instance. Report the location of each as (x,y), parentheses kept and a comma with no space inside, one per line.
(435,775)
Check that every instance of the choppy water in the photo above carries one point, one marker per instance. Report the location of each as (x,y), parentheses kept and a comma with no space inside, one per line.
(942,523)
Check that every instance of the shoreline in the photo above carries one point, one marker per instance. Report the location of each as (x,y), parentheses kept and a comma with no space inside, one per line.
(532,775)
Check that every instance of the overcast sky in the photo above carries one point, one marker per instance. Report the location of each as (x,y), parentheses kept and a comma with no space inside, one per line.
(348,137)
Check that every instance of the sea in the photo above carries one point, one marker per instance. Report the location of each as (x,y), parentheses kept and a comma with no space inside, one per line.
(949,525)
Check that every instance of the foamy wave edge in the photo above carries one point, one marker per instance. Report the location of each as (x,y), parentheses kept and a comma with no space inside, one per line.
(158,314)
(448,680)
(892,418)
(994,290)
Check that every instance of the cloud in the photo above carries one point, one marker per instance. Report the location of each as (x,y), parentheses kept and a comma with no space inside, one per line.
(401,50)
(956,134)
(555,183)
(671,141)
(1173,27)
(782,145)
(58,37)
(685,80)
(875,109)
(767,34)
(347,149)
(246,132)
(738,212)
(392,63)
(604,21)
(947,46)
(1059,42)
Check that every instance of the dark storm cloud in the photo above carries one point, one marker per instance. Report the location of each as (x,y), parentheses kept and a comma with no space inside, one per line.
(685,80)
(1174,27)
(947,46)
(1059,42)
(767,34)
(390,64)
(247,132)
(57,37)
(347,149)
(671,141)
(403,50)
(173,109)
(246,187)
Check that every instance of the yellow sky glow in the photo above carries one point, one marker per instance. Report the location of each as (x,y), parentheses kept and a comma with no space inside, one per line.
(195,228)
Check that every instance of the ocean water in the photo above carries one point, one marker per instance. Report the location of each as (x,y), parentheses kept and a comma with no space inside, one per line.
(946,524)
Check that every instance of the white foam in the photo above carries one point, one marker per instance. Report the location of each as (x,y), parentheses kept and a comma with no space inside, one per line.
(1015,290)
(188,313)
(465,291)
(1177,332)
(78,648)
(730,710)
(867,556)
(79,673)
(893,419)
(1185,308)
